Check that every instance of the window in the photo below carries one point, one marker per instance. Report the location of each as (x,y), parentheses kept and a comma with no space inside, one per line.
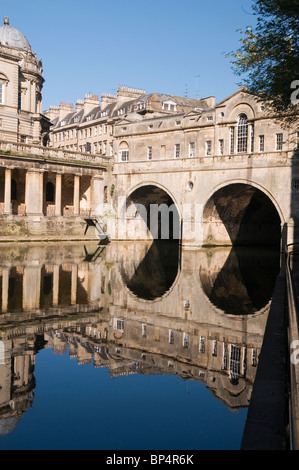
(1,93)
(242,134)
(185,340)
(118,325)
(20,100)
(191,149)
(261,143)
(208,147)
(210,118)
(295,184)
(221,146)
(224,357)
(214,348)
(232,141)
(95,131)
(105,148)
(169,105)
(171,337)
(149,153)
(111,150)
(143,330)
(124,155)
(252,138)
(278,141)
(177,150)
(100,130)
(234,363)
(254,358)
(202,341)
(105,129)
(178,123)
(24,139)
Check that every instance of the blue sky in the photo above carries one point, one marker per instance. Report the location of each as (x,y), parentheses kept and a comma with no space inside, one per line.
(169,46)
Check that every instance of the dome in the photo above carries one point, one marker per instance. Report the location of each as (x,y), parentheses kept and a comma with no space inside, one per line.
(12,37)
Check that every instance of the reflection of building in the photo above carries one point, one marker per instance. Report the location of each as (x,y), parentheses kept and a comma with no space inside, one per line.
(85,309)
(17,360)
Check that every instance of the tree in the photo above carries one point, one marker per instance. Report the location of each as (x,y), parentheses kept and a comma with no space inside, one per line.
(269,55)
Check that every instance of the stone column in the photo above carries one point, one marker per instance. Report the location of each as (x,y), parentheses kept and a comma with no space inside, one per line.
(7,192)
(97,194)
(5,286)
(76,195)
(58,194)
(31,287)
(56,285)
(34,192)
(74,284)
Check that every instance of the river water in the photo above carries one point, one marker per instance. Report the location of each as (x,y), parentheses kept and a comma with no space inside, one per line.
(129,346)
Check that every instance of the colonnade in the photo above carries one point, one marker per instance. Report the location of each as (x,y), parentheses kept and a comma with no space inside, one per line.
(33,196)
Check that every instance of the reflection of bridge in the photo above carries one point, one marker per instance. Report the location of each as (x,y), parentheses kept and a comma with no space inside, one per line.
(179,332)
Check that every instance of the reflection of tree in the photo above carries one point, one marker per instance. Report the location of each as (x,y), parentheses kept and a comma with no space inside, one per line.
(246,281)
(151,277)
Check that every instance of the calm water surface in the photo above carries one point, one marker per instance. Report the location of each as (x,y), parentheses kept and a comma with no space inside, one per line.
(129,346)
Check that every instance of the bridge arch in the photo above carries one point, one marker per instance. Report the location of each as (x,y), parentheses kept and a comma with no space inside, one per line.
(152,212)
(242,212)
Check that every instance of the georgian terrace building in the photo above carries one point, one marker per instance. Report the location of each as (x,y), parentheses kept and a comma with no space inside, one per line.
(89,127)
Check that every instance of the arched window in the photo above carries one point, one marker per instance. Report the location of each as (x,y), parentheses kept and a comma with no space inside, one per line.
(3,82)
(13,190)
(242,133)
(49,192)
(123,152)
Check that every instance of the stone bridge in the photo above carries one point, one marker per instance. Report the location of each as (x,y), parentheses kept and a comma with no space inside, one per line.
(215,200)
(229,174)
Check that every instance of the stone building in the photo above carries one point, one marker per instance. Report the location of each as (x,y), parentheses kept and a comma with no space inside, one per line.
(89,127)
(43,192)
(21,83)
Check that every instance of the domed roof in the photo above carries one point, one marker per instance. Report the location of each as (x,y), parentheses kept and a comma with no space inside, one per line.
(12,37)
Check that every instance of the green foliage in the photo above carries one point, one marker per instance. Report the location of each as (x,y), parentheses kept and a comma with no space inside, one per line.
(269,53)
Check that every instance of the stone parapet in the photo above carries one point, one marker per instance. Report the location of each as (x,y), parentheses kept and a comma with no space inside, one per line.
(52,154)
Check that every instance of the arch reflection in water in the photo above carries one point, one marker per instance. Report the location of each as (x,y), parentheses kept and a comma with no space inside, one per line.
(152,273)
(245,283)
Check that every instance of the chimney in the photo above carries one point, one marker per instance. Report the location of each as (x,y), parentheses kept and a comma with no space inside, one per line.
(79,105)
(65,109)
(90,102)
(52,112)
(107,98)
(125,93)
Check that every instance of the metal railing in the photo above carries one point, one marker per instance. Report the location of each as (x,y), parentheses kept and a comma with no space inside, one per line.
(293,343)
